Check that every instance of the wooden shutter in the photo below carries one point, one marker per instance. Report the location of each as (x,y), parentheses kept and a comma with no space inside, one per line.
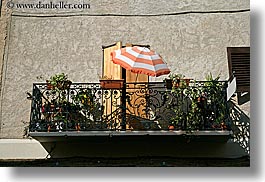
(239,66)
(110,69)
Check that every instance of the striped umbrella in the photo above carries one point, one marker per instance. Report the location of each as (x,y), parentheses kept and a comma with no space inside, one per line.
(140,60)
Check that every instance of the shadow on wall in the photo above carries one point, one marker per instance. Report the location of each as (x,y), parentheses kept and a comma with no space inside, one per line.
(240,126)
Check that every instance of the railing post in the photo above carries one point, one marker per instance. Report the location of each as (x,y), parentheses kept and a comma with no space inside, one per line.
(123,107)
(32,107)
(35,106)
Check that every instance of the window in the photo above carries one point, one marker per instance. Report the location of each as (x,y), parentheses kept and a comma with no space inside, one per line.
(239,66)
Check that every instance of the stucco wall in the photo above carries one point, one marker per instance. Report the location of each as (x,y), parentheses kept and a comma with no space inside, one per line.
(136,7)
(192,44)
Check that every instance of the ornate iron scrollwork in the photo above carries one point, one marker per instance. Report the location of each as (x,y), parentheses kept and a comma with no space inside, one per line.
(143,106)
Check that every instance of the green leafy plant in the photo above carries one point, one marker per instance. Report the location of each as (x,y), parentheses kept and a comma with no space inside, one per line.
(205,105)
(86,100)
(214,91)
(187,112)
(59,81)
(176,76)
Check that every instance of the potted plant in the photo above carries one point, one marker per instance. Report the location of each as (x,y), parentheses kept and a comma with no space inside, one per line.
(205,109)
(58,81)
(177,81)
(109,83)
(213,92)
(187,112)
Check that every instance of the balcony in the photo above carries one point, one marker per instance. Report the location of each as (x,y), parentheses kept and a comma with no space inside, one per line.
(83,107)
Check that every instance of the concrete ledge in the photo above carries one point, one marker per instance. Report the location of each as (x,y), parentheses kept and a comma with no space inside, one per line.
(128,133)
(131,136)
(21,149)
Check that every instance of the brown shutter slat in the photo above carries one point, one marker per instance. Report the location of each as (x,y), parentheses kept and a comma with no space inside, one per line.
(239,66)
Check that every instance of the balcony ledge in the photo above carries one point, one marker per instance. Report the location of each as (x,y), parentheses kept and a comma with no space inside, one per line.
(127,133)
(214,136)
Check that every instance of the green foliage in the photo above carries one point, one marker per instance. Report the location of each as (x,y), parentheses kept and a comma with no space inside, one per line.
(176,76)
(205,102)
(86,100)
(59,81)
(210,78)
(215,91)
(58,78)
(188,97)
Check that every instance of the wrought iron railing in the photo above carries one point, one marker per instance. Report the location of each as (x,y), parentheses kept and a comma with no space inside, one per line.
(135,106)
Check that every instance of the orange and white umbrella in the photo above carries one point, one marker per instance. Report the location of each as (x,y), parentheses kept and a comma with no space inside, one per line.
(140,60)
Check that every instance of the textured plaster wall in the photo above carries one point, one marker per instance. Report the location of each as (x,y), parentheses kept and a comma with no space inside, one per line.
(192,44)
(4,19)
(135,7)
(4,22)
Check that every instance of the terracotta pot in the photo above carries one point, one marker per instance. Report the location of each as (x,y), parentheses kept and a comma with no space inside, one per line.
(49,86)
(201,99)
(64,85)
(77,127)
(49,128)
(112,84)
(171,127)
(180,84)
(60,85)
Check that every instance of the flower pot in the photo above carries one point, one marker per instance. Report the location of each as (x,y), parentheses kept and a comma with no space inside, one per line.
(49,128)
(60,85)
(223,126)
(168,83)
(171,127)
(111,84)
(182,83)
(64,85)
(201,99)
(77,127)
(178,83)
(49,86)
